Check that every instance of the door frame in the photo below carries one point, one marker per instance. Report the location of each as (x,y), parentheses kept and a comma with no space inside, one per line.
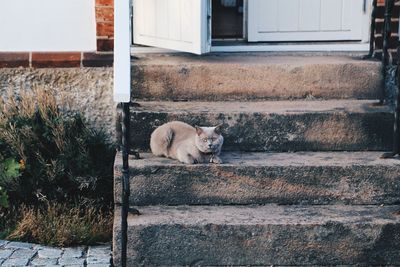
(337,46)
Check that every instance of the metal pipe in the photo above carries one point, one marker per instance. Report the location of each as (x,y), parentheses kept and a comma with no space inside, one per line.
(125,120)
(396,129)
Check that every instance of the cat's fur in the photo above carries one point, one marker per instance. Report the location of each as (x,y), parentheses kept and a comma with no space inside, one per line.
(190,145)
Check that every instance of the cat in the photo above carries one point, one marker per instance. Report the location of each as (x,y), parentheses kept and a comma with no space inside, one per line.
(190,145)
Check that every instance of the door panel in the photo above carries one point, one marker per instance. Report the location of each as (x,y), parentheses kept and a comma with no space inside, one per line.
(305,20)
(172,24)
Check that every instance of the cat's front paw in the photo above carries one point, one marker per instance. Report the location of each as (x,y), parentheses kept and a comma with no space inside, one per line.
(215,160)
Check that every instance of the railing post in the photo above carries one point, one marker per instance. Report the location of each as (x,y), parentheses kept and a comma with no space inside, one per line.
(387,30)
(372,33)
(125,181)
(396,130)
(389,4)
(385,61)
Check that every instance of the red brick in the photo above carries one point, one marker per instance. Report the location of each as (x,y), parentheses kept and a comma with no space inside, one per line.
(97,60)
(380,12)
(105,45)
(57,59)
(393,42)
(104,14)
(394,25)
(14,60)
(104,2)
(105,29)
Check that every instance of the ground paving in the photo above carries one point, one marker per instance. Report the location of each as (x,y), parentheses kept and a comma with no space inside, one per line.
(26,254)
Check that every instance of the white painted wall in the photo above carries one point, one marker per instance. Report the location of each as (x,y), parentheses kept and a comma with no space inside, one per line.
(47,25)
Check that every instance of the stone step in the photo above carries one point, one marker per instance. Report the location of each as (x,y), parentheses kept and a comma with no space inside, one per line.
(261,236)
(252,76)
(262,178)
(332,125)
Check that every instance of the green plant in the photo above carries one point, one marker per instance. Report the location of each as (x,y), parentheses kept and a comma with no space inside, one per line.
(9,171)
(3,198)
(9,217)
(64,159)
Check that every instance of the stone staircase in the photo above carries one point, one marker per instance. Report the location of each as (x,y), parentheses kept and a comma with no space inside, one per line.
(302,182)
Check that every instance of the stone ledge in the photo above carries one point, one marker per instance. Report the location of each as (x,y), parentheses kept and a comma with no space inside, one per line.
(261,236)
(261,178)
(334,125)
(250,76)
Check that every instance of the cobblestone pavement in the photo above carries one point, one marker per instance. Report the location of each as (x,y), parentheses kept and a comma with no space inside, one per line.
(26,254)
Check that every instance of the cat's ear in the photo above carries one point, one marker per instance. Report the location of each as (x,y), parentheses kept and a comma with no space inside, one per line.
(218,128)
(199,131)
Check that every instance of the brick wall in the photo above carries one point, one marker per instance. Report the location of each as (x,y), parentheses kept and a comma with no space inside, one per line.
(105,43)
(103,57)
(393,41)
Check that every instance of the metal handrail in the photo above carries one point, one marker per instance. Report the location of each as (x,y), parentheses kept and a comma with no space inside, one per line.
(125,121)
(125,209)
(387,32)
(372,32)
(389,5)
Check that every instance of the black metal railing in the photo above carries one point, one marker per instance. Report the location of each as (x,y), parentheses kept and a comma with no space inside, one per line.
(125,121)
(125,209)
(373,28)
(386,56)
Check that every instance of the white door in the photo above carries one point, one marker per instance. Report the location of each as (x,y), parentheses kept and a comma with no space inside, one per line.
(307,20)
(180,25)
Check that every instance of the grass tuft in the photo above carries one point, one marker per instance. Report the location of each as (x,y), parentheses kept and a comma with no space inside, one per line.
(63,225)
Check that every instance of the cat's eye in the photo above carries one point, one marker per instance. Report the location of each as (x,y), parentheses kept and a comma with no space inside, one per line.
(204,139)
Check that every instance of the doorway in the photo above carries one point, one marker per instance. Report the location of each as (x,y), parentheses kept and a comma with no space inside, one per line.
(227,19)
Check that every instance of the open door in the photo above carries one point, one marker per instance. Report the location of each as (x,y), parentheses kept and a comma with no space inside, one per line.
(307,20)
(181,25)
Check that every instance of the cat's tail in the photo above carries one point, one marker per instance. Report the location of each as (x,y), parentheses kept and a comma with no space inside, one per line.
(161,141)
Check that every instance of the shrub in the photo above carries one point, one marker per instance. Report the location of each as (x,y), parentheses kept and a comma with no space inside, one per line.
(64,159)
(63,225)
(9,217)
(9,171)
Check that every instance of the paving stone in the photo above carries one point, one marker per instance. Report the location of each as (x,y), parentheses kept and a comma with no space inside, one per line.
(5,253)
(19,245)
(3,243)
(73,252)
(99,250)
(40,247)
(15,262)
(98,265)
(71,261)
(23,254)
(43,262)
(49,253)
(98,259)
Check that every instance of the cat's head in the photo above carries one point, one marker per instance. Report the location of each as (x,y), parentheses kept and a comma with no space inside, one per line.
(209,139)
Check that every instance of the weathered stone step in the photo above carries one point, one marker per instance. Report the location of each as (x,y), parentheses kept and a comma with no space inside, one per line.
(344,125)
(251,76)
(261,236)
(262,178)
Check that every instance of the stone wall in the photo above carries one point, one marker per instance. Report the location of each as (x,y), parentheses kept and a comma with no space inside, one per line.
(89,90)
